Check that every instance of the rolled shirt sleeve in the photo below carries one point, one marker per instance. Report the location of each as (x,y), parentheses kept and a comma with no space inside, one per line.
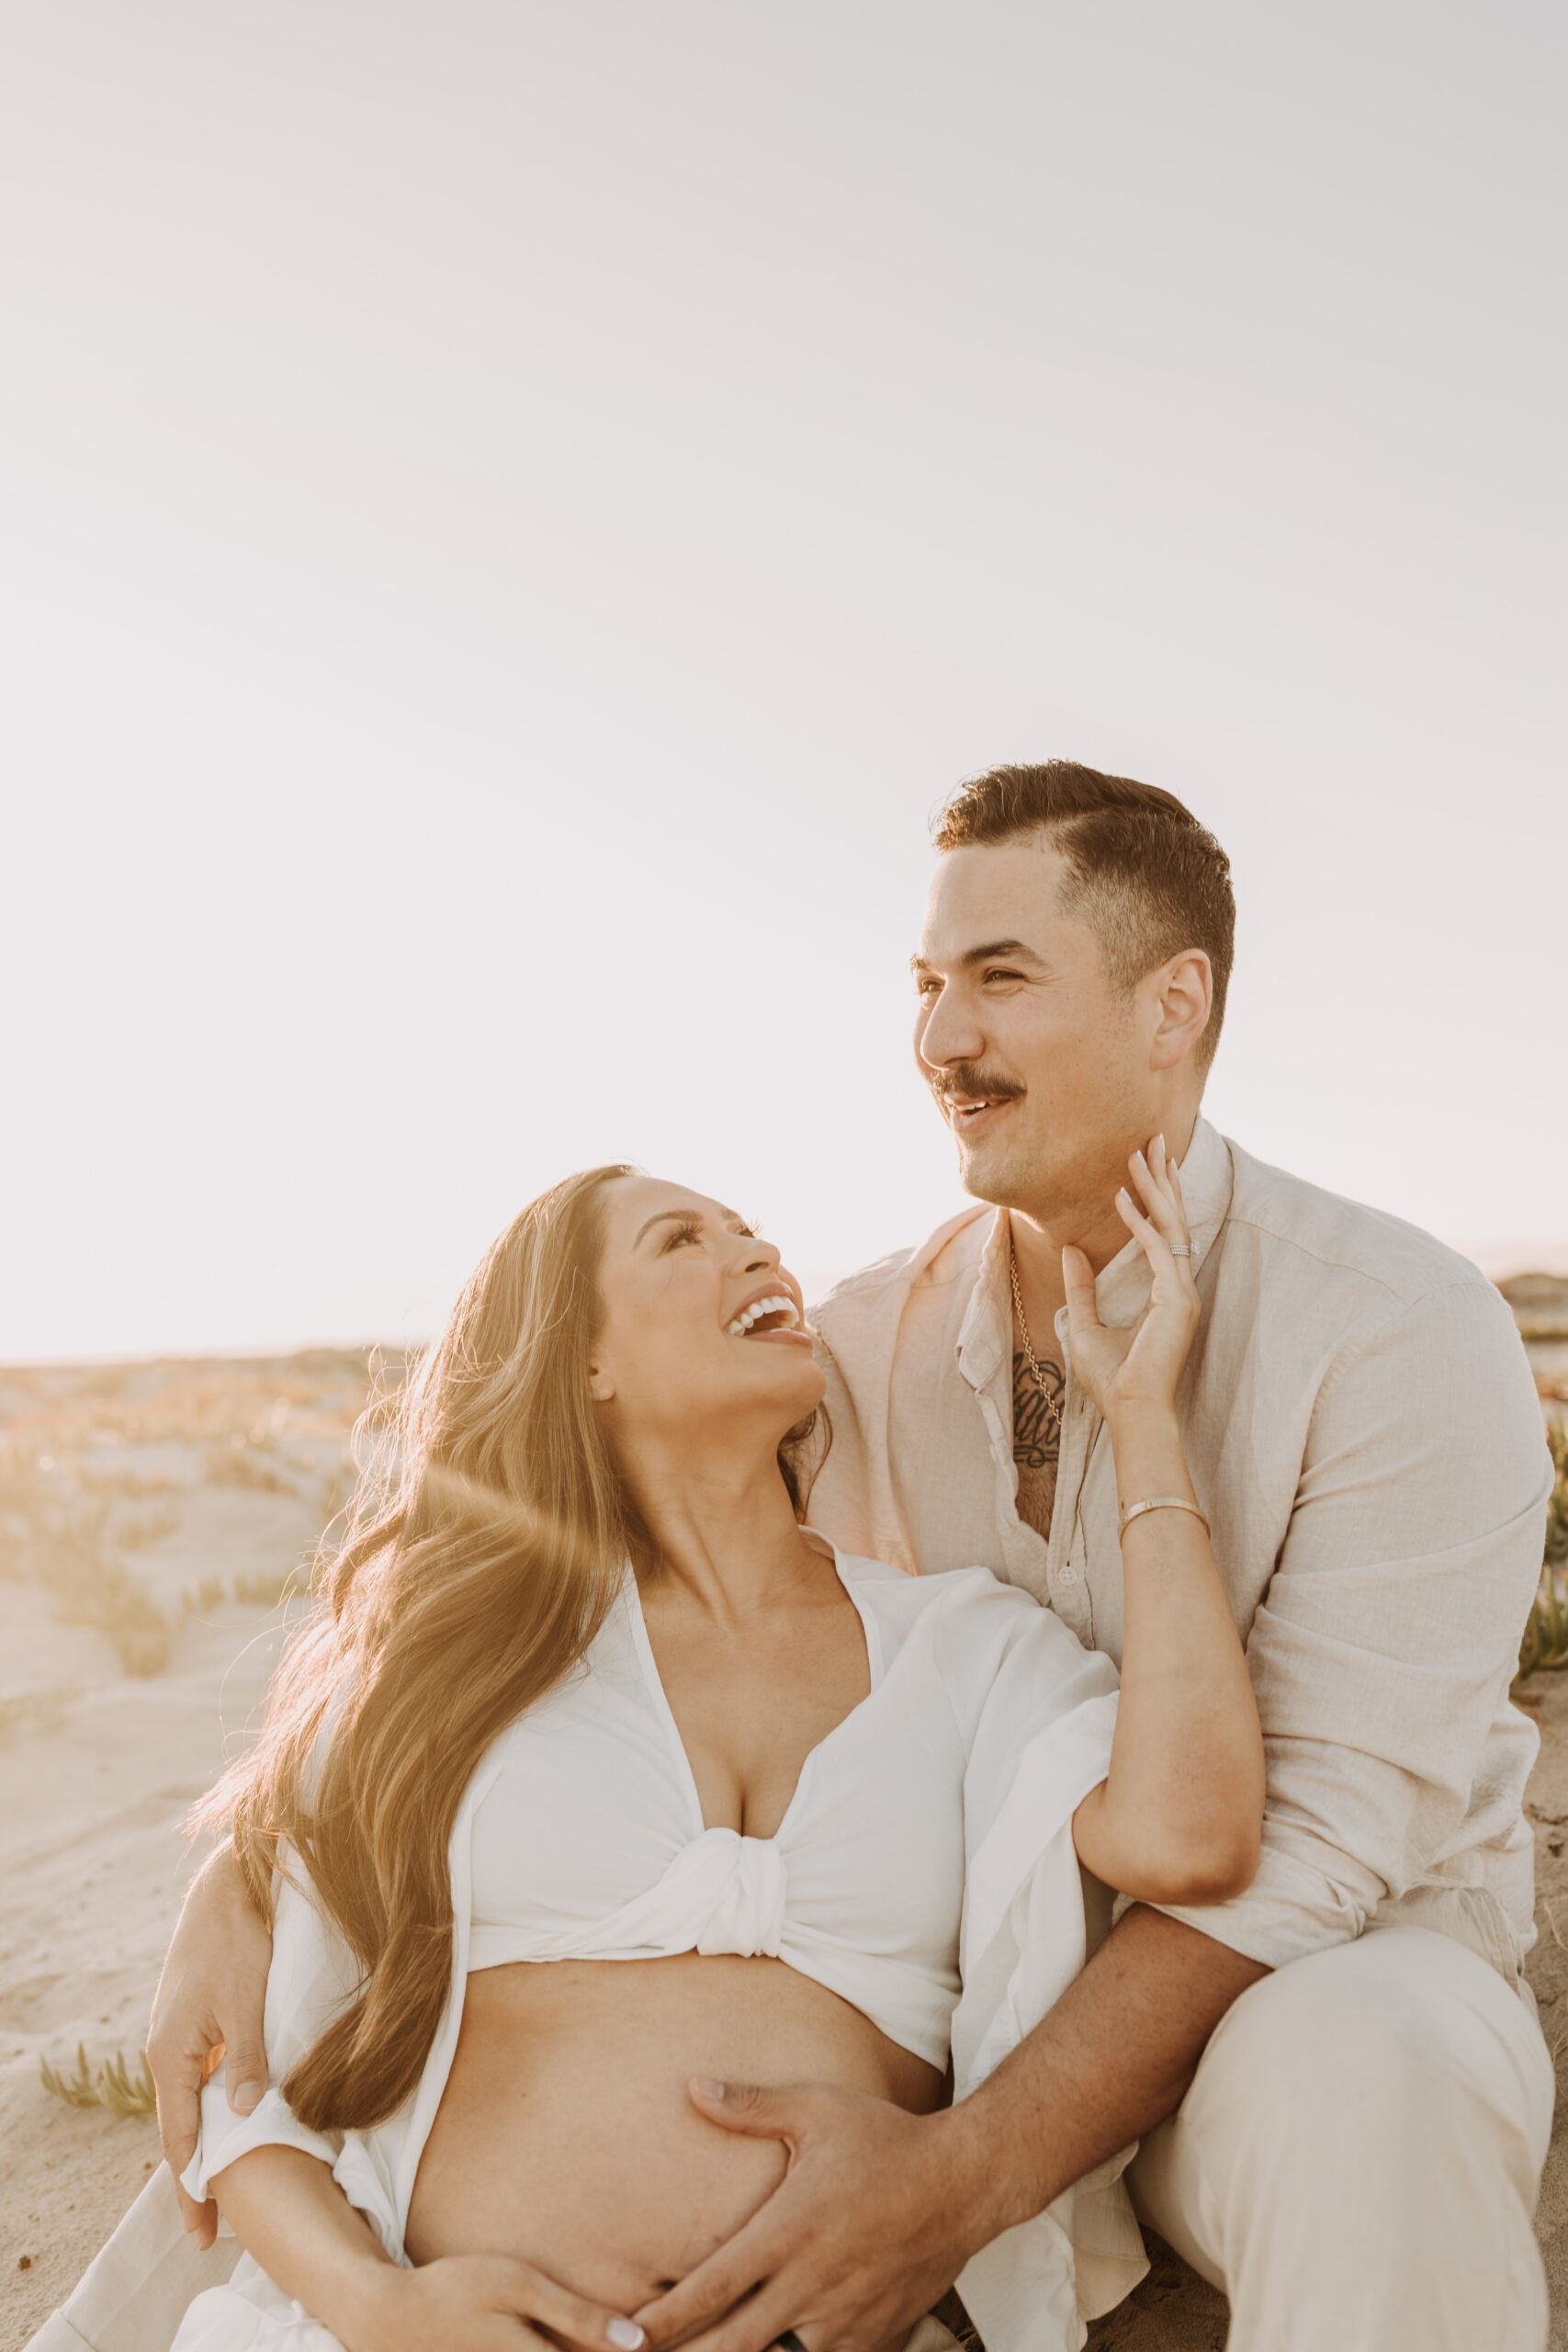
(1384,1646)
(312,1980)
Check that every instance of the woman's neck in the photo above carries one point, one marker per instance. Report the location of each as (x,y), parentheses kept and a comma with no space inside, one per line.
(723,1526)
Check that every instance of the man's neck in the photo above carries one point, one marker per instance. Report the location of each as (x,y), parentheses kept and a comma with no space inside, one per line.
(1090,1224)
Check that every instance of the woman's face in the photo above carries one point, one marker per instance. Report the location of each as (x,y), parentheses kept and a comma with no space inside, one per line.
(703,1326)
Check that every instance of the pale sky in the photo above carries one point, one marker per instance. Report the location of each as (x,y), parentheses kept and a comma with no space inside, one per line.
(512,516)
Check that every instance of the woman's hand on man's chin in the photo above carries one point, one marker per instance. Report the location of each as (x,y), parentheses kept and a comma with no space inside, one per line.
(473,2303)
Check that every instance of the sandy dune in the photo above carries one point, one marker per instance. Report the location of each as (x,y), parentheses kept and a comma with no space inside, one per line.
(135,1502)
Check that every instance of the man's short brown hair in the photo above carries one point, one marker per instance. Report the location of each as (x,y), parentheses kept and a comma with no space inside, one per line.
(1146,876)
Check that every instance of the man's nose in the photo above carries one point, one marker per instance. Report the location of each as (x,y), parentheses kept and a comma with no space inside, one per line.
(949,1033)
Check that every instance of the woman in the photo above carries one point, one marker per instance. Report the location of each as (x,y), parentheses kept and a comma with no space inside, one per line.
(599,1772)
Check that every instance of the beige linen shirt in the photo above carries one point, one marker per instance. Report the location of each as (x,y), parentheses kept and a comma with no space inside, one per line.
(1364,1436)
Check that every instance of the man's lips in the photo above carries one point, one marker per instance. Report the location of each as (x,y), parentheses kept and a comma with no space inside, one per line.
(965,1111)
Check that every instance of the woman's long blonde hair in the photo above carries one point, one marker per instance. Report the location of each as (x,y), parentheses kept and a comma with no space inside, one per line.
(483,1550)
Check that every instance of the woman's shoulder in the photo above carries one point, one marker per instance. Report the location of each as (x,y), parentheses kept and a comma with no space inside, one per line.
(948,1590)
(976,1633)
(964,1618)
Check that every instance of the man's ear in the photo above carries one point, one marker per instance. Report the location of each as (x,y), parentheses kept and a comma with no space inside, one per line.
(1185,990)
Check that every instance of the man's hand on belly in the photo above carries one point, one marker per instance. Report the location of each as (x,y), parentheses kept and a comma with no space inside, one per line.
(880,2210)
(860,2239)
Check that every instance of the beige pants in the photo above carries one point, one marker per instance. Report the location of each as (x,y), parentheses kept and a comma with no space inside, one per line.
(1357,2161)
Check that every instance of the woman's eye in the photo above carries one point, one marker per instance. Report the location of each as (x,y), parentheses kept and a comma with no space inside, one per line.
(681,1233)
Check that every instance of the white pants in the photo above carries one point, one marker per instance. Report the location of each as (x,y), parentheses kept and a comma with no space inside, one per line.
(1357,2161)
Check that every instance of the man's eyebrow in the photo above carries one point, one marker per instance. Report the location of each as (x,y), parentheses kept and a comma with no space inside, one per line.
(1015,951)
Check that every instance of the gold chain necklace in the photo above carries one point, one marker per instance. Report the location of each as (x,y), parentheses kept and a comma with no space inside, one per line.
(1053,1404)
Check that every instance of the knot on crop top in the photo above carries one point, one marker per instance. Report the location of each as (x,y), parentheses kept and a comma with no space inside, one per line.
(736,1887)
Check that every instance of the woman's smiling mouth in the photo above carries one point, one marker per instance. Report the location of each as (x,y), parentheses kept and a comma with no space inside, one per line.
(773,1316)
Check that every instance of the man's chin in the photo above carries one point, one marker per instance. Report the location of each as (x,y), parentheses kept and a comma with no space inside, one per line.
(991,1176)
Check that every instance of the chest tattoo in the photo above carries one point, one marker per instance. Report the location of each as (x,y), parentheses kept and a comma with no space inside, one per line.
(1036,1441)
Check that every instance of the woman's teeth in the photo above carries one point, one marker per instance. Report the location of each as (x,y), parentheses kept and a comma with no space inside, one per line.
(755,1312)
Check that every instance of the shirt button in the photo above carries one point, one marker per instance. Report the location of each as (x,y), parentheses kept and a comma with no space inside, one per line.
(1066,1574)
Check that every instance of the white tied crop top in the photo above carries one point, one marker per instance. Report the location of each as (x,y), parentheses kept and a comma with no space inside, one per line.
(928,1839)
(590,1843)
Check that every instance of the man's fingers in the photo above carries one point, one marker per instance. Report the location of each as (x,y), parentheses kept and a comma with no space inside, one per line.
(574,2318)
(710,2292)
(757,2323)
(245,2073)
(745,2107)
(200,2221)
(177,2078)
(179,2120)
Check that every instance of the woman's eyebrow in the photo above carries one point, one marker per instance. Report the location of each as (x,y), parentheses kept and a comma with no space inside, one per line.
(687,1216)
(666,1216)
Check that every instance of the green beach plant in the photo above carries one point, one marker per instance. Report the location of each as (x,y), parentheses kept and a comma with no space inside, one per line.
(112,2085)
(1545,1645)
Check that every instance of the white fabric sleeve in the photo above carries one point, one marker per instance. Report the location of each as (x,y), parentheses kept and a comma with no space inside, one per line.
(1383,1650)
(313,1978)
(1041,1742)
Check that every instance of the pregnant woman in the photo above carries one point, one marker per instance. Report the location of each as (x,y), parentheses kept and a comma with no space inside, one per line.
(597,1774)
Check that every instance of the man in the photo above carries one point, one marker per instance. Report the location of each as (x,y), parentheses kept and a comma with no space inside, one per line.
(1365,2099)
(1342,2093)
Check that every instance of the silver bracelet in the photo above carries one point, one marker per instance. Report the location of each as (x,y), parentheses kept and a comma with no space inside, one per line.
(1130,1512)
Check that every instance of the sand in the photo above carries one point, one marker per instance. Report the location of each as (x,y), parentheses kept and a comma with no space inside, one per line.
(131,1499)
(213,1474)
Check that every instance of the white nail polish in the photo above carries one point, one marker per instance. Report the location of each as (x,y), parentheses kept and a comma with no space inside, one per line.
(625,2335)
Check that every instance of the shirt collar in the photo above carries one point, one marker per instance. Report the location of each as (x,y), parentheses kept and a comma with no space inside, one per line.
(1122,1290)
(985,1336)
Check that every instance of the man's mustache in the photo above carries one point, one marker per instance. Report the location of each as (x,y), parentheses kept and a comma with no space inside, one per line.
(972,1081)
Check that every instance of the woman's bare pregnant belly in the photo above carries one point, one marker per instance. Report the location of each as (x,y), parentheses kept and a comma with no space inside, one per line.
(566,2136)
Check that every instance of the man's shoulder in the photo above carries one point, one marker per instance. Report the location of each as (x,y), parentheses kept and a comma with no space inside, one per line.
(1357,1249)
(950,1254)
